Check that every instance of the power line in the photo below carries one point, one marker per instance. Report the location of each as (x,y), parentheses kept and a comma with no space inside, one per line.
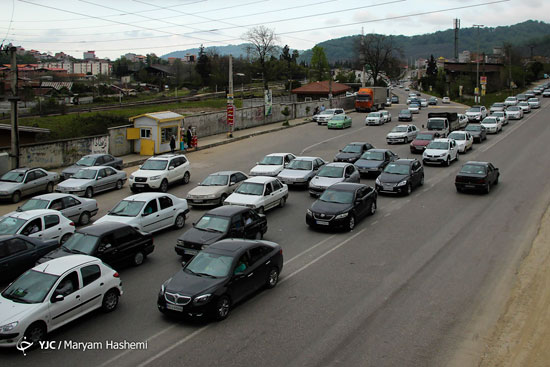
(11,20)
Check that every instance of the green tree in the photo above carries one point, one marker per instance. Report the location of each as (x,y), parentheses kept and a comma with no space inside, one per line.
(431,69)
(319,62)
(203,67)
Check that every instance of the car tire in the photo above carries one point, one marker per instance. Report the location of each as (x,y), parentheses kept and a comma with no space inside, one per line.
(180,221)
(409,189)
(351,222)
(49,187)
(448,162)
(222,309)
(84,218)
(186,178)
(16,197)
(259,235)
(372,208)
(35,333)
(456,159)
(272,278)
(138,258)
(110,300)
(164,185)
(89,192)
(64,238)
(458,189)
(119,184)
(488,188)
(261,210)
(282,202)
(496,180)
(421,181)
(222,198)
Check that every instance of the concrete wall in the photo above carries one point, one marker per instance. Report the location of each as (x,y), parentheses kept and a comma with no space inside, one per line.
(118,144)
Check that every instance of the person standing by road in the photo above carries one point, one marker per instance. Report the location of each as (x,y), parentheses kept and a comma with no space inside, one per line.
(322,108)
(172,143)
(189,137)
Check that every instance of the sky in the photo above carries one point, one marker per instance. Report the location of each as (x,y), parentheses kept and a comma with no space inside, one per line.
(114,28)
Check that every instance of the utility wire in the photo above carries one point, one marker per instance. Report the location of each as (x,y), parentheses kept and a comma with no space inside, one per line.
(9,27)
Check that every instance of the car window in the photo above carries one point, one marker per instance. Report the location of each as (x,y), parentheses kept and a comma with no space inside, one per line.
(89,274)
(236,221)
(319,162)
(174,163)
(257,253)
(50,221)
(276,185)
(123,236)
(165,202)
(240,177)
(16,245)
(416,165)
(38,174)
(4,249)
(30,176)
(67,285)
(108,158)
(69,201)
(268,189)
(151,207)
(56,204)
(242,264)
(33,226)
(101,173)
(349,170)
(106,242)
(109,172)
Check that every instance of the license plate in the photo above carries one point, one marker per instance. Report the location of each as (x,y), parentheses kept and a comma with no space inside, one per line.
(191,252)
(139,185)
(174,307)
(198,201)
(469,186)
(322,223)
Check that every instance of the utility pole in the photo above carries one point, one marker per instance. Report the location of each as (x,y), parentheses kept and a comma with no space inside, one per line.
(329,87)
(478,98)
(456,27)
(13,100)
(510,68)
(362,57)
(230,106)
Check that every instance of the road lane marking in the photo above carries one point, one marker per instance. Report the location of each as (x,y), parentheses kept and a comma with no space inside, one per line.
(333,138)
(387,215)
(309,249)
(373,223)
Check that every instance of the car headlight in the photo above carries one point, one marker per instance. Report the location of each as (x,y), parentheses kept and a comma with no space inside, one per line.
(378,181)
(179,242)
(340,216)
(163,286)
(4,192)
(152,178)
(8,327)
(212,196)
(202,299)
(350,159)
(402,183)
(309,212)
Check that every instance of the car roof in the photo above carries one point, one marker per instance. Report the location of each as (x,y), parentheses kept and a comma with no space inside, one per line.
(407,161)
(260,179)
(167,156)
(234,246)
(25,169)
(304,158)
(103,227)
(404,125)
(52,196)
(143,196)
(277,154)
(63,264)
(431,132)
(228,210)
(477,163)
(357,143)
(378,150)
(29,214)
(225,173)
(347,186)
(338,164)
(95,155)
(442,140)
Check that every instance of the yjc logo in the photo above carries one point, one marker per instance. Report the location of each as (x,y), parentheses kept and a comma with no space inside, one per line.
(23,345)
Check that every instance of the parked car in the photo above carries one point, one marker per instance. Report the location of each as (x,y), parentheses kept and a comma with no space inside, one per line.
(43,224)
(534,102)
(394,99)
(510,101)
(405,115)
(446,100)
(352,152)
(92,160)
(340,121)
(333,173)
(401,177)
(546,93)
(402,133)
(525,106)
(463,139)
(114,243)
(422,139)
(432,101)
(272,164)
(477,176)
(373,161)
(89,181)
(497,106)
(492,124)
(215,188)
(21,182)
(158,172)
(462,120)
(19,253)
(514,113)
(77,209)
(301,170)
(502,116)
(326,115)
(478,132)
(476,113)
(342,205)
(521,97)
(387,115)
(149,212)
(442,151)
(414,108)
(375,118)
(52,294)
(220,276)
(229,221)
(260,193)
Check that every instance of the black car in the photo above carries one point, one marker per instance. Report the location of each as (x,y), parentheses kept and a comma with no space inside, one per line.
(19,253)
(220,276)
(373,161)
(224,222)
(352,152)
(478,132)
(400,177)
(394,99)
(432,101)
(477,176)
(405,115)
(342,205)
(112,242)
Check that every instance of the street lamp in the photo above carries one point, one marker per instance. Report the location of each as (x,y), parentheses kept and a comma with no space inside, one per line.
(478,92)
(241,75)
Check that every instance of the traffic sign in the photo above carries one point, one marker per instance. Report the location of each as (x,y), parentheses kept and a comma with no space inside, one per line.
(483,80)
(230,114)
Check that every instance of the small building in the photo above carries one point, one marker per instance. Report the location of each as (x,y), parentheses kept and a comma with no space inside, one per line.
(152,132)
(317,90)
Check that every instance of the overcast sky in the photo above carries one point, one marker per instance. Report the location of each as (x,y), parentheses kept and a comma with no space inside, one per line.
(113,28)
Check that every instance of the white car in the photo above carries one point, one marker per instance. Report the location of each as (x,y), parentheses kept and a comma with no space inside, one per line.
(215,188)
(91,180)
(402,134)
(502,116)
(510,101)
(446,100)
(441,151)
(332,173)
(476,113)
(525,106)
(387,115)
(462,120)
(375,118)
(260,193)
(149,212)
(326,115)
(43,224)
(514,113)
(272,164)
(497,106)
(534,102)
(492,124)
(464,140)
(160,171)
(77,209)
(546,93)
(414,108)
(423,102)
(53,294)
(301,170)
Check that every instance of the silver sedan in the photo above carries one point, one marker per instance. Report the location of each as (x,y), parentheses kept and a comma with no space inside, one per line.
(90,181)
(77,209)
(26,181)
(215,188)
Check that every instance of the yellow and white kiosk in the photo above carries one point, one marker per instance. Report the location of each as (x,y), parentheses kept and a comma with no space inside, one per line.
(152,132)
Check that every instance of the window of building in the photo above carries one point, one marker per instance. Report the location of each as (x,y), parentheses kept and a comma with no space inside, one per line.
(167,132)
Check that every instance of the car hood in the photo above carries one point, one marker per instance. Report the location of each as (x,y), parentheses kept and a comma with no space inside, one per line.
(329,208)
(365,163)
(147,173)
(9,186)
(192,285)
(74,182)
(391,178)
(294,173)
(265,169)
(325,181)
(473,113)
(118,219)
(73,169)
(243,199)
(396,135)
(11,311)
(420,143)
(196,235)
(346,156)
(57,253)
(435,151)
(207,190)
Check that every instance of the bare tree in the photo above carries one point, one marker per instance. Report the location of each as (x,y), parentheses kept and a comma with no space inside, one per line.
(377,51)
(262,45)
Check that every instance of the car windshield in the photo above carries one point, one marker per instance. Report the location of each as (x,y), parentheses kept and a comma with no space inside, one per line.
(127,208)
(405,112)
(328,112)
(31,287)
(85,174)
(251,188)
(81,243)
(10,225)
(511,99)
(436,123)
(34,204)
(498,114)
(336,196)
(414,105)
(424,137)
(272,160)
(338,117)
(13,176)
(299,164)
(439,145)
(374,114)
(155,164)
(457,136)
(399,169)
(209,264)
(86,161)
(399,129)
(215,180)
(498,104)
(212,223)
(474,109)
(489,120)
(523,104)
(533,100)
(473,128)
(473,168)
(513,108)
(331,171)
(373,156)
(352,148)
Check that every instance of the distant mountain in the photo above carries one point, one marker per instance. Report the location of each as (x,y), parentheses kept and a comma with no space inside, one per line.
(235,50)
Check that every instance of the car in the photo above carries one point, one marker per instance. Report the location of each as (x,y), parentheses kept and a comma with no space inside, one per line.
(514,113)
(546,93)
(405,115)
(407,89)
(92,160)
(422,139)
(492,124)
(414,108)
(497,106)
(478,132)
(149,212)
(537,91)
(21,182)
(114,243)
(394,99)
(352,152)
(423,102)
(477,176)
(525,106)
(502,116)
(229,221)
(476,113)
(446,100)
(534,102)
(432,101)
(215,188)
(158,172)
(89,181)
(402,133)
(220,276)
(340,121)
(341,206)
(510,101)
(529,94)
(521,97)
(400,177)
(388,102)
(387,115)
(272,164)
(463,140)
(19,253)
(44,224)
(301,170)
(260,193)
(77,209)
(373,161)
(462,120)
(52,294)
(326,115)
(375,118)
(333,173)
(441,151)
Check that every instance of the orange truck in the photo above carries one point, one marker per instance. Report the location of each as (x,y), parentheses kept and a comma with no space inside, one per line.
(371,99)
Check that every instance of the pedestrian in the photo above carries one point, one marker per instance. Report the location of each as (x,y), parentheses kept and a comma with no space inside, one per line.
(172,143)
(322,108)
(316,111)
(189,137)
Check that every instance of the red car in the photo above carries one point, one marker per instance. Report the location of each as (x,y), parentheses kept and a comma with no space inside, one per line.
(423,138)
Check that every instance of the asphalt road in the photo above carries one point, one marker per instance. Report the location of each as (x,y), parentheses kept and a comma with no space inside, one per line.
(402,289)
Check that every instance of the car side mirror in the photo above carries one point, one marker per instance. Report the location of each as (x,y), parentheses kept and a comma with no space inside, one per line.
(232,183)
(183,263)
(339,150)
(58,298)
(99,177)
(139,167)
(170,168)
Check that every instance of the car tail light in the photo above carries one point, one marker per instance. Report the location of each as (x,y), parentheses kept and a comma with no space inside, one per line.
(281,251)
(116,274)
(71,224)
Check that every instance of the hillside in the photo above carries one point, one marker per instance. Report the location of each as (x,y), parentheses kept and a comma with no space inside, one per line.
(235,50)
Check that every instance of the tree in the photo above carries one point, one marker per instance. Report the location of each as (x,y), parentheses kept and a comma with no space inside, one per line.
(286,56)
(204,67)
(262,45)
(431,69)
(319,61)
(376,51)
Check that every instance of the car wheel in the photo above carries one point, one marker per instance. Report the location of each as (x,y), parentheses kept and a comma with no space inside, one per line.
(458,189)
(222,198)
(488,188)
(258,235)
(119,184)
(49,188)
(409,189)
(372,208)
(448,162)
(186,178)
(15,197)
(496,180)
(138,258)
(84,218)
(35,333)
(421,181)
(272,278)
(282,202)
(223,307)
(351,222)
(180,221)
(164,185)
(65,237)
(89,192)
(456,159)
(110,300)
(261,210)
